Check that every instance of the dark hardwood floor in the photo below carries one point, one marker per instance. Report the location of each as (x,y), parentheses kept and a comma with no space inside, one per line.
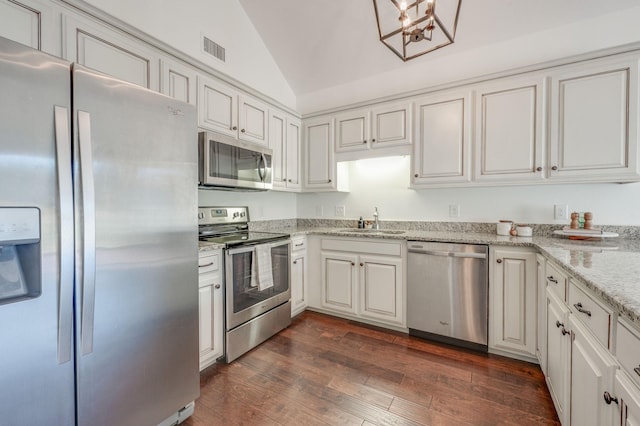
(325,370)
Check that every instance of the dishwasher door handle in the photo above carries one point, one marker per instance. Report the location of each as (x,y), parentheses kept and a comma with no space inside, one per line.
(450,254)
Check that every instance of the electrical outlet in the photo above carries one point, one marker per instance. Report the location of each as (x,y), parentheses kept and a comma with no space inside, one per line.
(561,212)
(319,211)
(340,211)
(454,210)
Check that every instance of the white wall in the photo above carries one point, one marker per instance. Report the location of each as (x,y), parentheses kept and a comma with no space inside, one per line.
(181,25)
(262,205)
(613,29)
(383,183)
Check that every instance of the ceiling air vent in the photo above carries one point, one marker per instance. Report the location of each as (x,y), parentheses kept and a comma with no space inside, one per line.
(213,48)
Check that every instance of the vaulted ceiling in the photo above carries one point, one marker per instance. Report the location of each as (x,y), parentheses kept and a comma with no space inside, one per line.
(325,43)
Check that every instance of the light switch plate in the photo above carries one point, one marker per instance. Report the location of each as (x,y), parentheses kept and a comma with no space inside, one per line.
(561,212)
(340,211)
(454,210)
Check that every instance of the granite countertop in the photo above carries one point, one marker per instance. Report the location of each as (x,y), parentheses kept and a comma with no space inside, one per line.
(610,268)
(206,246)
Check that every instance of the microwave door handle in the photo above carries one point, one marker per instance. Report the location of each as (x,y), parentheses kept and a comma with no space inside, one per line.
(262,170)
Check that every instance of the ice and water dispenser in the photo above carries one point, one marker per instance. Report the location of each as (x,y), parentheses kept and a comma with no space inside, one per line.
(20,264)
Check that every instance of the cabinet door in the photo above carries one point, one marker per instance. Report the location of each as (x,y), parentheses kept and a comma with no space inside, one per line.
(217,106)
(441,151)
(513,296)
(541,305)
(381,289)
(109,51)
(32,23)
(352,131)
(509,130)
(628,396)
(277,142)
(592,370)
(391,125)
(558,347)
(594,118)
(298,282)
(320,166)
(211,320)
(178,81)
(339,282)
(293,153)
(253,120)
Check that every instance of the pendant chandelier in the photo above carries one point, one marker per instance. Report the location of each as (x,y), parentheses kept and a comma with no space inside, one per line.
(411,29)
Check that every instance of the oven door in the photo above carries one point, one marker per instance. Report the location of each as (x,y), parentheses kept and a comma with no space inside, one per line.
(233,164)
(244,300)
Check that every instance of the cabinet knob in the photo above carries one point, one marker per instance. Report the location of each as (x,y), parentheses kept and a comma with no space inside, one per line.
(609,399)
(234,128)
(373,140)
(364,141)
(361,264)
(289,180)
(538,169)
(242,130)
(295,262)
(499,260)
(217,286)
(416,175)
(554,168)
(353,264)
(329,180)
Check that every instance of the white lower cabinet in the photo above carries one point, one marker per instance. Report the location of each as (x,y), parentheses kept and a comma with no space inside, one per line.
(558,352)
(364,279)
(626,398)
(541,307)
(592,372)
(512,304)
(298,275)
(211,307)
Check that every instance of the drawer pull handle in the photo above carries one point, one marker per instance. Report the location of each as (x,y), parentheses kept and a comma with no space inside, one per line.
(563,330)
(499,260)
(637,370)
(553,280)
(298,245)
(609,399)
(580,309)
(204,266)
(217,286)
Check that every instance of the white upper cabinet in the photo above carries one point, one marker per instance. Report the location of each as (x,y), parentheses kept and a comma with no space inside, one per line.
(509,132)
(441,152)
(320,167)
(594,120)
(110,51)
(217,106)
(223,109)
(391,125)
(284,140)
(32,23)
(177,80)
(352,131)
(253,120)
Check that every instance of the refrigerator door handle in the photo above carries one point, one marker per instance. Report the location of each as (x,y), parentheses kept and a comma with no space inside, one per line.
(65,194)
(88,273)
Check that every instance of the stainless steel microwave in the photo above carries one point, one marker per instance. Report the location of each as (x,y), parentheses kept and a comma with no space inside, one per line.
(228,163)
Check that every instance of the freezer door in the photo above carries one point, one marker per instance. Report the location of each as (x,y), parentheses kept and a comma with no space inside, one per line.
(36,358)
(136,298)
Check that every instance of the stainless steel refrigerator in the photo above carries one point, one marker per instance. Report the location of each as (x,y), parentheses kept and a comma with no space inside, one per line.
(98,247)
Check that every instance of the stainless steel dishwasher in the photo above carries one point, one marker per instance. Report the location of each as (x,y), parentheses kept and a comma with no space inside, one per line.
(447,292)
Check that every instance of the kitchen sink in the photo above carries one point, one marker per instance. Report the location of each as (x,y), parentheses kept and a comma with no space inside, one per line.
(373,231)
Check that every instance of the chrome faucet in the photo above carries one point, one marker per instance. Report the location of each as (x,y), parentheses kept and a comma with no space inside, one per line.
(376,225)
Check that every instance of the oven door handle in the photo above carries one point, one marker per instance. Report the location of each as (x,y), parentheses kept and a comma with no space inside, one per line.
(262,167)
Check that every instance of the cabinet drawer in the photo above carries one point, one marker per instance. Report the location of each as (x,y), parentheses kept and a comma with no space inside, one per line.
(364,245)
(593,315)
(208,262)
(628,350)
(298,243)
(556,281)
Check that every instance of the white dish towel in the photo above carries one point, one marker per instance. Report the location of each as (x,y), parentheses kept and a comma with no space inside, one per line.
(264,268)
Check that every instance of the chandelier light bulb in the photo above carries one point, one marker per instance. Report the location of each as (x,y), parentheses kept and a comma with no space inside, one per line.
(403,6)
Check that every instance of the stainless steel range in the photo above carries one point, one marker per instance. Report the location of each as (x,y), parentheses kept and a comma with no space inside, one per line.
(257,277)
